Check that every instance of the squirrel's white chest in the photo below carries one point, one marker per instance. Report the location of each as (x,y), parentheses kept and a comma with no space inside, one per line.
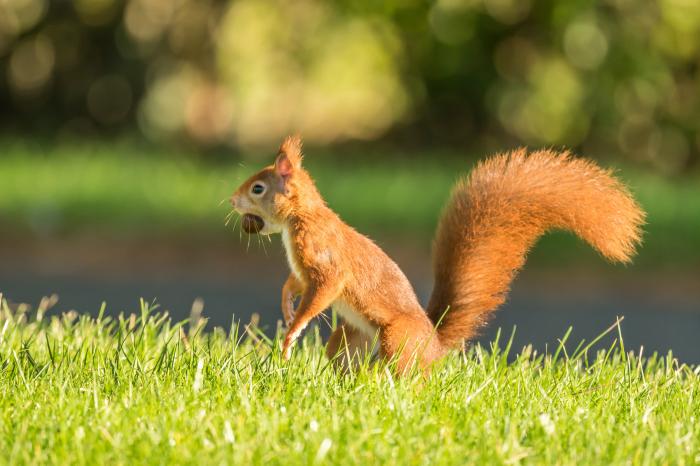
(354,318)
(291,257)
(321,257)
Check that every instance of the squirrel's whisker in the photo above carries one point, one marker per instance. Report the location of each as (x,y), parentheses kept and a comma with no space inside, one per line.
(261,242)
(230,215)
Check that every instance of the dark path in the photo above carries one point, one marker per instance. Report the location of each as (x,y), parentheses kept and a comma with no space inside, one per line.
(660,315)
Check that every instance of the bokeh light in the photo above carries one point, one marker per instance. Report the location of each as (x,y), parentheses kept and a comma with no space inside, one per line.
(585,44)
(452,20)
(109,99)
(146,20)
(508,11)
(96,12)
(21,15)
(31,65)
(162,111)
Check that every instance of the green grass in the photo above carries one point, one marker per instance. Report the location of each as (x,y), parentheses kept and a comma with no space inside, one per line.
(126,188)
(142,390)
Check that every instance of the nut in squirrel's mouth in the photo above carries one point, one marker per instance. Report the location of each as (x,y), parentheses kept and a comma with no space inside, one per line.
(252,223)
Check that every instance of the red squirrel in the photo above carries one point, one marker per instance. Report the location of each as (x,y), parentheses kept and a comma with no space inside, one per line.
(493,217)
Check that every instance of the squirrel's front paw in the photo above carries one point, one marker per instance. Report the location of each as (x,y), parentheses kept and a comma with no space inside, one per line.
(288,343)
(287,349)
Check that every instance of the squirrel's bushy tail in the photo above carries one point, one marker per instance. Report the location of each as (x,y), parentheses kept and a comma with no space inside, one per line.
(497,213)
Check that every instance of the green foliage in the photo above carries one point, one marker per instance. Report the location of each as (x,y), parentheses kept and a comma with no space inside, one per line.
(141,389)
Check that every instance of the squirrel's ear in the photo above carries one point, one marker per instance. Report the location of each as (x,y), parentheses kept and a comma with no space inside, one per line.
(291,147)
(283,166)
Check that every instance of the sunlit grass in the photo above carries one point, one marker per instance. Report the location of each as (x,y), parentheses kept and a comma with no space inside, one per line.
(125,187)
(141,389)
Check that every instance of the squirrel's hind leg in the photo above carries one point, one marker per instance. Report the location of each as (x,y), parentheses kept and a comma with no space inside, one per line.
(347,347)
(411,342)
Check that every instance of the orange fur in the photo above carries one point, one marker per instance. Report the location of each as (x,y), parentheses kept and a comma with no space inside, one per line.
(492,219)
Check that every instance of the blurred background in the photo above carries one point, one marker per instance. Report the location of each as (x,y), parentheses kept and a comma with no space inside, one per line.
(126,124)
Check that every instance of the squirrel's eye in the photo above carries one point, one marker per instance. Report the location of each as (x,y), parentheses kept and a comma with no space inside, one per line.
(257,188)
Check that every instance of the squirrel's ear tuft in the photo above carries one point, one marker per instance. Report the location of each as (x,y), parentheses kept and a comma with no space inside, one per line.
(291,147)
(284,166)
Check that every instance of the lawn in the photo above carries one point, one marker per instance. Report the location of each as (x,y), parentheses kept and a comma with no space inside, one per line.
(142,390)
(132,189)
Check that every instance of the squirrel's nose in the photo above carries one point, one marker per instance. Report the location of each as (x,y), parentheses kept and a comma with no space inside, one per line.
(234,200)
